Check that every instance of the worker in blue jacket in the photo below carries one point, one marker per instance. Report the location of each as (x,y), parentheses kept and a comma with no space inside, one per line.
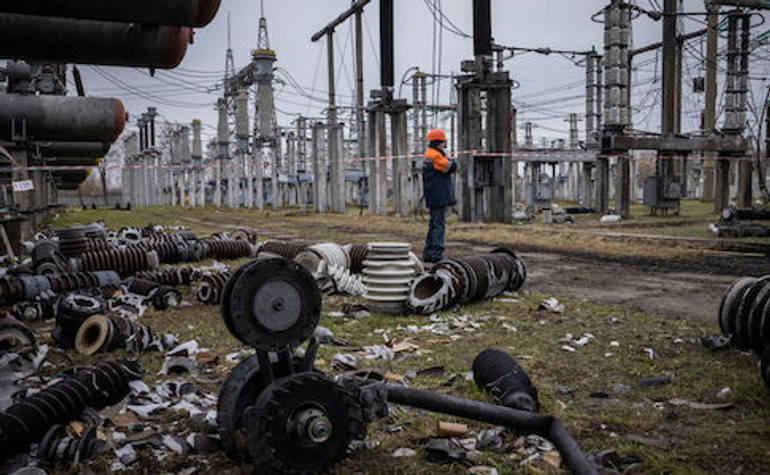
(439,193)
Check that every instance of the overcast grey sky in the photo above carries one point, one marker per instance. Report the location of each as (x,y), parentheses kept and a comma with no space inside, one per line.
(550,87)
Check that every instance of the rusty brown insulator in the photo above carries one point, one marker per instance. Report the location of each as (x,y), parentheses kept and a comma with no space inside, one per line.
(173,277)
(125,261)
(210,289)
(72,241)
(228,249)
(357,254)
(289,250)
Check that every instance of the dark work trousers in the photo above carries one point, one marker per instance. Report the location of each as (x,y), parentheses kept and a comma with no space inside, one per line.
(434,240)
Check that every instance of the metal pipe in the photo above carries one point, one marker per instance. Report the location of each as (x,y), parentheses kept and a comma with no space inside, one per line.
(61,118)
(146,12)
(546,426)
(62,40)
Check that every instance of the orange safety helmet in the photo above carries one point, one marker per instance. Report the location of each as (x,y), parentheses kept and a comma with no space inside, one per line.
(436,134)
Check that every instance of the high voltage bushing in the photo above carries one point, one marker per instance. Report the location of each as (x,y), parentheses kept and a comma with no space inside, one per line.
(58,449)
(125,261)
(288,250)
(72,241)
(228,249)
(173,277)
(102,334)
(61,117)
(211,287)
(26,421)
(458,281)
(357,254)
(62,40)
(195,13)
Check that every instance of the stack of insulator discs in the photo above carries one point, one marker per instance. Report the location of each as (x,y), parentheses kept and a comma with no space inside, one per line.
(388,272)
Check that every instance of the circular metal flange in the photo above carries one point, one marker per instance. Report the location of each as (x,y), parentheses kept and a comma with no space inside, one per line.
(301,424)
(273,303)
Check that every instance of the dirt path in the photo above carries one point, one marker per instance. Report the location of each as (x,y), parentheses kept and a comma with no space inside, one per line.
(691,292)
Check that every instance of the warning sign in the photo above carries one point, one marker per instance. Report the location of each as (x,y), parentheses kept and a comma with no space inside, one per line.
(23,185)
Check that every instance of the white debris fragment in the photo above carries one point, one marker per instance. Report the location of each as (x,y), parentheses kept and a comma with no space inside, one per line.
(378,352)
(614,344)
(126,454)
(651,353)
(145,411)
(173,444)
(344,362)
(568,348)
(335,314)
(552,305)
(610,218)
(404,452)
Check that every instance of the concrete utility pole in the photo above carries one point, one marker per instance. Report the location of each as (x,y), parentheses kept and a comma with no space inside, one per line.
(197,192)
(223,143)
(484,190)
(710,110)
(334,132)
(617,33)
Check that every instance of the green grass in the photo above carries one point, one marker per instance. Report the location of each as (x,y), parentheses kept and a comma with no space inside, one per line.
(703,441)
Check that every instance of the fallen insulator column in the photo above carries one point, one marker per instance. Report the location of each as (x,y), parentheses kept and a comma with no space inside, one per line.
(357,254)
(72,241)
(34,285)
(228,249)
(458,281)
(160,296)
(173,277)
(14,335)
(62,40)
(54,150)
(73,310)
(245,234)
(104,384)
(61,283)
(332,254)
(58,449)
(98,244)
(125,261)
(388,273)
(101,334)
(288,250)
(195,13)
(60,117)
(744,313)
(210,289)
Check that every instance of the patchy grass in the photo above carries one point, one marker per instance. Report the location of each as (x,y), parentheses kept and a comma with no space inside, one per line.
(640,422)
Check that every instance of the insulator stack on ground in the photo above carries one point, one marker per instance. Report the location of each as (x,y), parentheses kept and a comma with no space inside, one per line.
(228,249)
(73,310)
(11,290)
(102,334)
(357,254)
(210,289)
(344,282)
(331,253)
(58,449)
(34,285)
(744,313)
(14,336)
(98,244)
(72,241)
(173,277)
(104,384)
(220,236)
(46,258)
(288,250)
(458,281)
(245,234)
(160,296)
(388,272)
(125,261)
